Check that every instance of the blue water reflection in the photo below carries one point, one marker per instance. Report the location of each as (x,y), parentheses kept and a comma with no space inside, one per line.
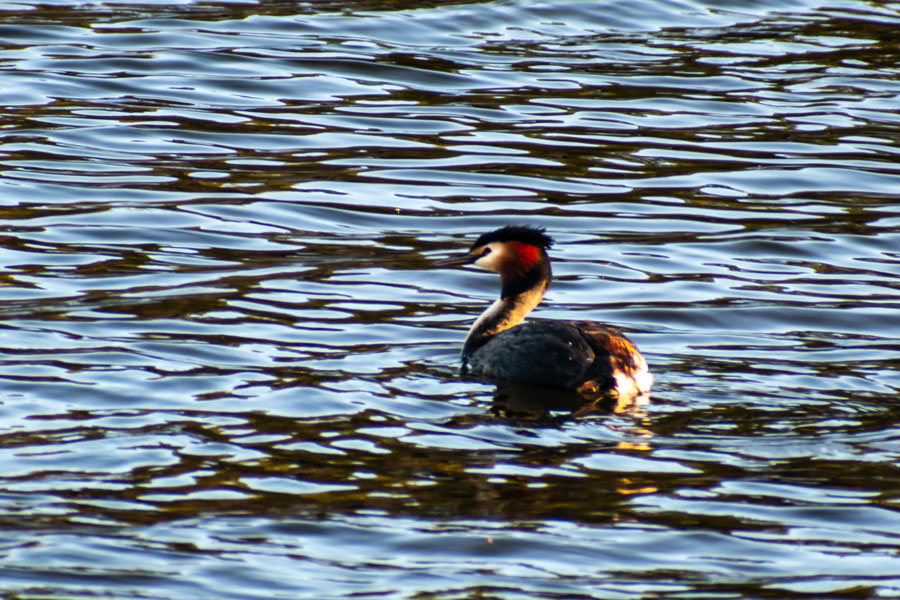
(227,369)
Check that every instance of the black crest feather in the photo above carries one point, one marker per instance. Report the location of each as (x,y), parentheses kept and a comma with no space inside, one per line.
(533,236)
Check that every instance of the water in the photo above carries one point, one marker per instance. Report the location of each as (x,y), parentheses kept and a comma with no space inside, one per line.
(228,372)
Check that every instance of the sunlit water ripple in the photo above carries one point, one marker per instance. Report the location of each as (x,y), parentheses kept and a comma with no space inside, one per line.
(228,371)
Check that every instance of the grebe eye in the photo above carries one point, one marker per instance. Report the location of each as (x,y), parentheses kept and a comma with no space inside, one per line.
(486,251)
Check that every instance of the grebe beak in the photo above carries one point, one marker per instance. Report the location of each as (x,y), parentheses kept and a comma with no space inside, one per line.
(455,261)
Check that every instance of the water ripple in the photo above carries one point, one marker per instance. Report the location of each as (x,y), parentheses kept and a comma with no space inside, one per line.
(228,370)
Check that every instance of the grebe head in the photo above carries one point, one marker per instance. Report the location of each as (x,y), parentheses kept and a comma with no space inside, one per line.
(519,255)
(511,251)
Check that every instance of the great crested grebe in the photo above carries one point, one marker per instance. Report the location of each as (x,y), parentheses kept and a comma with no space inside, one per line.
(590,358)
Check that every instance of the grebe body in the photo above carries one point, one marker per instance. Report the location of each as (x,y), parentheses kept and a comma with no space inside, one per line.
(590,358)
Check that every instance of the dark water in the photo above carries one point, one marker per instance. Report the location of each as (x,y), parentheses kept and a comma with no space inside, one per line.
(228,372)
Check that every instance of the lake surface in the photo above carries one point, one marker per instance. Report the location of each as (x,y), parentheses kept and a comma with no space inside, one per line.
(228,371)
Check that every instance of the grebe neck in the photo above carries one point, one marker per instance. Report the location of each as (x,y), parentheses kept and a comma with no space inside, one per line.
(518,297)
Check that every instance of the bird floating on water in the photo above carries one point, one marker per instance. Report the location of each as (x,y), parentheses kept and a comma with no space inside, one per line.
(590,358)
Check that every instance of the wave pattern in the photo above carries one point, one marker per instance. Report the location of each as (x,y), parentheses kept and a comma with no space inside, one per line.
(227,370)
